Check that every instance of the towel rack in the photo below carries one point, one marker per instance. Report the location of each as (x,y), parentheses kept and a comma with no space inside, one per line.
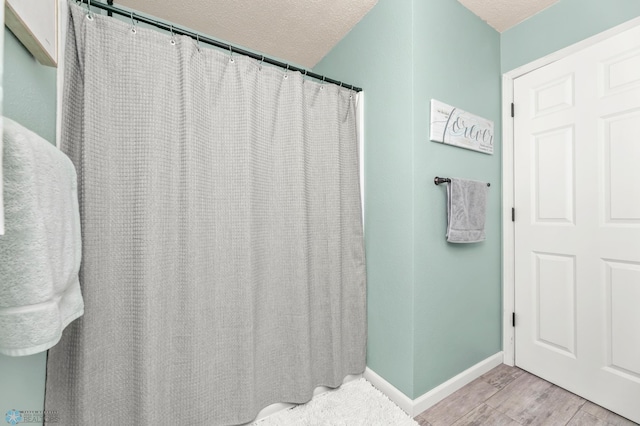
(438,180)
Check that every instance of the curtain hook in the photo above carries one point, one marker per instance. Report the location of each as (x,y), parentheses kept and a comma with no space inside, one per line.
(133,24)
(173,40)
(198,41)
(89,13)
(286,72)
(322,85)
(231,54)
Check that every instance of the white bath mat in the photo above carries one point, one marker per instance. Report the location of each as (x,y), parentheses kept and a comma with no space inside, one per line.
(356,403)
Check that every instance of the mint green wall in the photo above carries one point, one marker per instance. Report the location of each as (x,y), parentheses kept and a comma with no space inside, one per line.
(377,54)
(434,308)
(30,99)
(562,25)
(29,89)
(457,296)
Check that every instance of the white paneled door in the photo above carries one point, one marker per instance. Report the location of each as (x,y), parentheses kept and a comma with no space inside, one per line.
(577,228)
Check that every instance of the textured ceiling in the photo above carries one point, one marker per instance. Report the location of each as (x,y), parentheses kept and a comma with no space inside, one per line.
(297,31)
(302,31)
(504,14)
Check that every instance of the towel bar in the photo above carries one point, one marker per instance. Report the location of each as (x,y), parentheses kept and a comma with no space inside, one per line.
(438,180)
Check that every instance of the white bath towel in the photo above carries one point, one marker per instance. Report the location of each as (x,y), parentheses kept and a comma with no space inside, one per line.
(40,251)
(466,208)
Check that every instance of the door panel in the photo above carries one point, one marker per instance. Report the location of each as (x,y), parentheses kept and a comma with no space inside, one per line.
(555,283)
(577,237)
(554,190)
(622,174)
(623,349)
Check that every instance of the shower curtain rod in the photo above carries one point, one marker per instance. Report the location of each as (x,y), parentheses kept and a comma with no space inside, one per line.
(110,8)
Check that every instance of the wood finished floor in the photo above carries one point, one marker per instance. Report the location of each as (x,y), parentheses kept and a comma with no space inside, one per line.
(509,396)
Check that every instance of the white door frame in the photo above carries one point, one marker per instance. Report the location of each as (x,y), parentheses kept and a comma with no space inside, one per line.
(508,227)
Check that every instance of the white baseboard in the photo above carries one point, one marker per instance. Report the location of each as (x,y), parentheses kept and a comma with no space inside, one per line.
(395,395)
(437,394)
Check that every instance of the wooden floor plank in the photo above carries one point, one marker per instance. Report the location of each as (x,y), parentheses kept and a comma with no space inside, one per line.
(519,392)
(502,375)
(485,415)
(530,400)
(458,404)
(585,419)
(606,415)
(421,421)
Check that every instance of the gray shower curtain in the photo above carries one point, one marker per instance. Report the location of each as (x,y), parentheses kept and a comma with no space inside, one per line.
(223,261)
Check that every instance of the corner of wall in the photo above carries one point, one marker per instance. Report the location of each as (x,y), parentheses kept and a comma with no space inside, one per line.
(377,55)
(429,319)
(457,288)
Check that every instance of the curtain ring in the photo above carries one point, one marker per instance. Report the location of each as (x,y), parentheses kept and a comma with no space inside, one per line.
(133,24)
(173,40)
(89,14)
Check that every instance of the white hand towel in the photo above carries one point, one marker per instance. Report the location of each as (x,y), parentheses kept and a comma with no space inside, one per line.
(466,208)
(40,251)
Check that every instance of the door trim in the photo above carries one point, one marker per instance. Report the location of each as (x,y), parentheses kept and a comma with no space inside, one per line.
(508,227)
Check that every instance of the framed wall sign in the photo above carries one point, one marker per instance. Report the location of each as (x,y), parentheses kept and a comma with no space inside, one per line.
(35,24)
(454,126)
